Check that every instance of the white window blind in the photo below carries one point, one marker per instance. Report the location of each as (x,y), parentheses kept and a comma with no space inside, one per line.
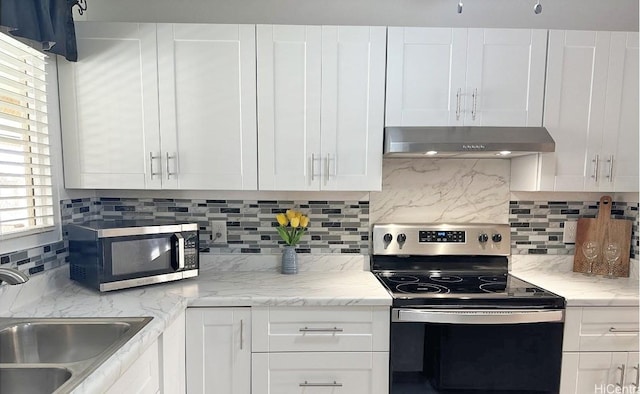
(26,201)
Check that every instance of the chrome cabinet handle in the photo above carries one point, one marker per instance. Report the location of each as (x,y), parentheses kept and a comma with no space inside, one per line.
(241,334)
(327,167)
(610,175)
(621,368)
(458,97)
(169,173)
(596,163)
(637,383)
(613,329)
(307,384)
(313,166)
(474,109)
(311,329)
(151,159)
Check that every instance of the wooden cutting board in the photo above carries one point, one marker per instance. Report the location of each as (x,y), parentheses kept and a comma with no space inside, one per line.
(603,229)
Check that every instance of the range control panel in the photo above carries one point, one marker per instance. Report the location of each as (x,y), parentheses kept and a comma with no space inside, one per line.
(442,239)
(441,236)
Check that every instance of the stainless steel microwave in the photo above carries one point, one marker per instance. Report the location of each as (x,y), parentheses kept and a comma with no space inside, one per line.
(112,255)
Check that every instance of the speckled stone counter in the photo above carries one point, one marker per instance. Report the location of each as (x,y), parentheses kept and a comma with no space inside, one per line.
(165,302)
(554,273)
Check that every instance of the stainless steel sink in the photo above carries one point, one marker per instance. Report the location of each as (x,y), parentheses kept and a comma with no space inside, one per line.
(59,342)
(55,355)
(32,380)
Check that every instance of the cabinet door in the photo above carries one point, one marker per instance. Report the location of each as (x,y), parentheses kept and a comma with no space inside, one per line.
(352,121)
(321,372)
(426,76)
(582,372)
(141,377)
(632,371)
(219,350)
(505,77)
(207,87)
(109,108)
(620,137)
(574,105)
(289,80)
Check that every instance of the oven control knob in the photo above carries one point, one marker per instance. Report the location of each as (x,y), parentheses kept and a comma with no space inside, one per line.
(387,238)
(401,238)
(482,238)
(496,237)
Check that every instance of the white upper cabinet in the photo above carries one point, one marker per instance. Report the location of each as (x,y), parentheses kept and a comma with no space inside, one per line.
(320,107)
(109,108)
(472,77)
(426,76)
(207,87)
(621,129)
(591,110)
(289,72)
(176,112)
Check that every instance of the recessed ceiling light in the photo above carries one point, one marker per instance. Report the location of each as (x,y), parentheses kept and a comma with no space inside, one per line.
(504,153)
(431,153)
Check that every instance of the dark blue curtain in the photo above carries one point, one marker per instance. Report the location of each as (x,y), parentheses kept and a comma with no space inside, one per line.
(49,22)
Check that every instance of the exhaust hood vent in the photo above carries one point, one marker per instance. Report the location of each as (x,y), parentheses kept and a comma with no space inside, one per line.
(466,142)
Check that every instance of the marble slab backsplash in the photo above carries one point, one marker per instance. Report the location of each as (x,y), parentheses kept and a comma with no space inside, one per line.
(442,191)
(537,226)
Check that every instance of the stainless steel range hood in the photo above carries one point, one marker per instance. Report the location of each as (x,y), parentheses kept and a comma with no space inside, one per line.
(466,142)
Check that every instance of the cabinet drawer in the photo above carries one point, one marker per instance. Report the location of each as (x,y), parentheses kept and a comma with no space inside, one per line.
(289,373)
(143,375)
(601,329)
(325,329)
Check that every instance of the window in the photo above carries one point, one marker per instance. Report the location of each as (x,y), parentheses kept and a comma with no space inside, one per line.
(26,195)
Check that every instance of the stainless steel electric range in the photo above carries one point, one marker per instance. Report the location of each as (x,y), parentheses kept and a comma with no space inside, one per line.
(460,322)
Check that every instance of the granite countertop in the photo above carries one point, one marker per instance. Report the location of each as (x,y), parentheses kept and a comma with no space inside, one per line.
(165,302)
(554,273)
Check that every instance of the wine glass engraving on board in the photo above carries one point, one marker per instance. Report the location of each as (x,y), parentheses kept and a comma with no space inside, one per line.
(590,251)
(611,254)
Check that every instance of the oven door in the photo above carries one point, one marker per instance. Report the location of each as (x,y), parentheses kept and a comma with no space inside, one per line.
(134,257)
(479,351)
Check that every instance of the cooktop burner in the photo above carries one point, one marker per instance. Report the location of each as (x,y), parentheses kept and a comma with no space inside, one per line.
(498,290)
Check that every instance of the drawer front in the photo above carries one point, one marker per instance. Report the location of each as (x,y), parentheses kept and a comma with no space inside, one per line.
(326,329)
(329,372)
(601,329)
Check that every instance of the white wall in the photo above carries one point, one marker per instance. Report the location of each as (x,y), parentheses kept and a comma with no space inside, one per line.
(556,14)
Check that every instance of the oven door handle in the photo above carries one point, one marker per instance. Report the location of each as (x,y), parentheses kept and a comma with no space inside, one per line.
(478,316)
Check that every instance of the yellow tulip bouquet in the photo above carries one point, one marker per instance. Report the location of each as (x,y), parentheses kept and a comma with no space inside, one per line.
(292,226)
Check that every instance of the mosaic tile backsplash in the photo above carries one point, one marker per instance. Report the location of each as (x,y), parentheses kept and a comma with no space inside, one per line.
(334,227)
(536,226)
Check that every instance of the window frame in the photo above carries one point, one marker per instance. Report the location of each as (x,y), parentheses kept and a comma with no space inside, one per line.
(33,238)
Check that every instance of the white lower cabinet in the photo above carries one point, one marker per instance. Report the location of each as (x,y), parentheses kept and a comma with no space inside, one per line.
(320,349)
(219,350)
(600,350)
(142,377)
(331,372)
(172,357)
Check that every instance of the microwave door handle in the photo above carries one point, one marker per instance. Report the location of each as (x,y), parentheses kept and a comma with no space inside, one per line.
(180,254)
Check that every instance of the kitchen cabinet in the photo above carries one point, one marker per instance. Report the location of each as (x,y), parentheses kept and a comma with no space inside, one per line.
(207,90)
(173,355)
(470,77)
(296,349)
(165,106)
(600,349)
(320,107)
(218,350)
(143,375)
(109,108)
(591,111)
